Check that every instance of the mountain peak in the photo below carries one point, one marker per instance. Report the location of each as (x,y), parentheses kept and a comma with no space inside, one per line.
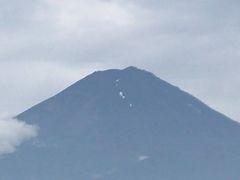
(127,69)
(131,68)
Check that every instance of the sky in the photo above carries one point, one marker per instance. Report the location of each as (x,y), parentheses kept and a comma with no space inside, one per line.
(46,45)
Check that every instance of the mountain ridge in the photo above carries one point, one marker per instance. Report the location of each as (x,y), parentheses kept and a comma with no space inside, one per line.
(126,124)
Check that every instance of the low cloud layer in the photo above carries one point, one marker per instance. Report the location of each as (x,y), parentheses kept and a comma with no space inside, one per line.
(13,133)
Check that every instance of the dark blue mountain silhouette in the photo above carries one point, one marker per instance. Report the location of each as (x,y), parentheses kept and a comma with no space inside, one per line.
(126,125)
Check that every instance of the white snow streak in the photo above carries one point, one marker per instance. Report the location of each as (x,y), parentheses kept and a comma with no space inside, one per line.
(122,95)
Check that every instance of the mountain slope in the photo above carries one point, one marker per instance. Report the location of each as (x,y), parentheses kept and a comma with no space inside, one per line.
(124,125)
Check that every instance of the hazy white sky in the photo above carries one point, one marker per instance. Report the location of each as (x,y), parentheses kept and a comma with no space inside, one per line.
(45,45)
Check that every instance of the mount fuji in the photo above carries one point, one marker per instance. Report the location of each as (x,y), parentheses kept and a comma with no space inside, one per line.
(125,125)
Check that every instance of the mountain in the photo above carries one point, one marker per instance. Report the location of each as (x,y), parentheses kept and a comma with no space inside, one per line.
(126,125)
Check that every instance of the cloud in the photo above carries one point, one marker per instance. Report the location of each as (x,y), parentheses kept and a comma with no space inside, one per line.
(13,133)
(121,32)
(76,16)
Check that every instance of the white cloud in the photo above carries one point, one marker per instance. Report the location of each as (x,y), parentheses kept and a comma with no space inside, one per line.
(13,133)
(80,16)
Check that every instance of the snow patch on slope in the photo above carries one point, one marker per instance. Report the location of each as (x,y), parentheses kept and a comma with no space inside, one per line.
(143,158)
(121,94)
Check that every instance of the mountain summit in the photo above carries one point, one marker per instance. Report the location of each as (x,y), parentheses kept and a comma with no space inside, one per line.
(126,125)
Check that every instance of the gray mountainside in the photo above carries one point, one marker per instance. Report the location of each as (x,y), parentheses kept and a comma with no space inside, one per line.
(126,125)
